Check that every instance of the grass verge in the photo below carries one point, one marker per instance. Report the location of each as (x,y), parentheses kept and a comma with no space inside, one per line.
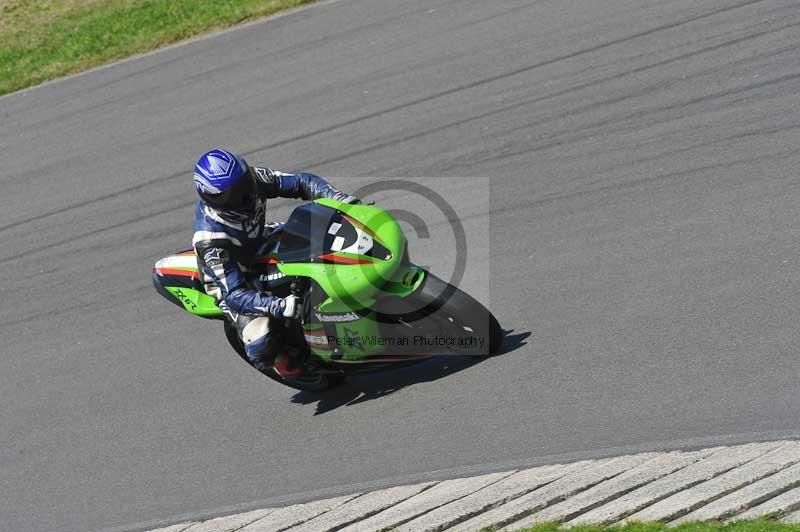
(757,525)
(46,39)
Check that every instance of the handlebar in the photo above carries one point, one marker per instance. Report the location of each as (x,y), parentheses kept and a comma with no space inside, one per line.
(299,288)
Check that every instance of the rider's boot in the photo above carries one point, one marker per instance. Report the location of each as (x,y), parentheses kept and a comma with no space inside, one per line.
(288,362)
(266,351)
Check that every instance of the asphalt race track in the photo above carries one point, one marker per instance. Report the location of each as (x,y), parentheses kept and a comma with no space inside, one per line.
(643,216)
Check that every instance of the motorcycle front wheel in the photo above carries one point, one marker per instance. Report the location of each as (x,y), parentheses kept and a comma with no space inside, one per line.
(453,318)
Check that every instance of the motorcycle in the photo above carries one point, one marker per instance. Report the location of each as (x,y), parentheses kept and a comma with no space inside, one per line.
(367,307)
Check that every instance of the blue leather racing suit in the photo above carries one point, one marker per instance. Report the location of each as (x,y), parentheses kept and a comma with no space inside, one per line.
(226,250)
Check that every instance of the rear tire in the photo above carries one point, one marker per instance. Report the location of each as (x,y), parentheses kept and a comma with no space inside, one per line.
(312,380)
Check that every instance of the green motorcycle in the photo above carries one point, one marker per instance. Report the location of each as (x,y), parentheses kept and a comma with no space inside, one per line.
(366,306)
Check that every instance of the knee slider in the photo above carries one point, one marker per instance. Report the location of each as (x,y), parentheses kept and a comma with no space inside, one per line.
(257,329)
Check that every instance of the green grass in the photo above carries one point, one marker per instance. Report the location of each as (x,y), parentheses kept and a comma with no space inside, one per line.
(758,525)
(45,39)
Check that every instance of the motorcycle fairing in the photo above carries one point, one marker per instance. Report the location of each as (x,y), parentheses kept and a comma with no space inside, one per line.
(177,278)
(355,254)
(351,251)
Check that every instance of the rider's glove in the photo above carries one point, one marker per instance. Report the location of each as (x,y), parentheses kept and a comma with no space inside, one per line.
(352,200)
(292,307)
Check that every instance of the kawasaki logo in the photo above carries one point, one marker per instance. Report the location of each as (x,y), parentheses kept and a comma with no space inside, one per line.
(270,277)
(347,316)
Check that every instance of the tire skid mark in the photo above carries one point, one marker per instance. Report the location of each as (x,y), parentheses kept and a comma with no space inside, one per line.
(92,201)
(104,229)
(189,80)
(701,145)
(621,123)
(497,77)
(615,187)
(649,89)
(411,103)
(98,304)
(705,143)
(543,98)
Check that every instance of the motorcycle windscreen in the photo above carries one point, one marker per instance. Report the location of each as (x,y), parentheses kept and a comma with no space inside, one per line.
(316,233)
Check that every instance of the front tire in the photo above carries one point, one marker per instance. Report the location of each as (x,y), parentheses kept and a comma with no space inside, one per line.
(458,315)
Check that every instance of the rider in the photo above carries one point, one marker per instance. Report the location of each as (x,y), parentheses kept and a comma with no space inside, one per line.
(229,229)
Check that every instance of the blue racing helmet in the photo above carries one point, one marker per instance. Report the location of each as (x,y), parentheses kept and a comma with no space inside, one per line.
(225,182)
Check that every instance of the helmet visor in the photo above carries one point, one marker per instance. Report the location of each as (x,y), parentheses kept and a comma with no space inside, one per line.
(238,202)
